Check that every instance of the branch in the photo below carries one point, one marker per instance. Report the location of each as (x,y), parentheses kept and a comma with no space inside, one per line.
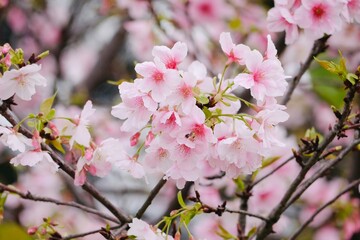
(347,189)
(247,214)
(275,214)
(90,232)
(32,197)
(244,196)
(329,164)
(151,197)
(318,47)
(9,115)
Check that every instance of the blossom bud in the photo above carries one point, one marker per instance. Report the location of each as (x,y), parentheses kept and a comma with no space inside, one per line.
(134,139)
(149,138)
(32,230)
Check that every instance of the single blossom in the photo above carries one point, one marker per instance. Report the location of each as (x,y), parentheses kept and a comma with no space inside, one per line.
(35,155)
(157,79)
(318,17)
(143,231)
(235,53)
(171,57)
(21,82)
(13,139)
(79,131)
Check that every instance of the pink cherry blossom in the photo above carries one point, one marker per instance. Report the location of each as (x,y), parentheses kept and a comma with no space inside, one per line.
(183,94)
(21,82)
(143,231)
(204,11)
(98,161)
(79,131)
(351,11)
(167,120)
(35,155)
(136,107)
(265,77)
(171,57)
(318,17)
(14,140)
(157,79)
(235,53)
(280,19)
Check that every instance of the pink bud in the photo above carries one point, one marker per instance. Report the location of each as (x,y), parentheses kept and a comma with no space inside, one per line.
(53,128)
(89,154)
(177,236)
(6,48)
(32,230)
(149,138)
(134,139)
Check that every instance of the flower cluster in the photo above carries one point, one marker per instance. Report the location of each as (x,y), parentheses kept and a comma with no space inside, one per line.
(315,17)
(190,122)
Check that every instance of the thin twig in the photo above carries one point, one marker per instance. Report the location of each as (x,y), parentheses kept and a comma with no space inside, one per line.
(318,47)
(304,225)
(30,196)
(10,116)
(272,171)
(150,198)
(247,214)
(244,196)
(90,232)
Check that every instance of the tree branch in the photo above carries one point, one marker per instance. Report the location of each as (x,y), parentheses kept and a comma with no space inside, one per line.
(32,197)
(347,189)
(318,47)
(329,164)
(90,232)
(275,214)
(247,214)
(151,197)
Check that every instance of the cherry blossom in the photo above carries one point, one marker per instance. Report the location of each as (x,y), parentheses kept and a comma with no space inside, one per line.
(170,57)
(136,107)
(79,131)
(157,79)
(265,77)
(13,139)
(21,82)
(318,17)
(235,53)
(280,19)
(143,231)
(35,155)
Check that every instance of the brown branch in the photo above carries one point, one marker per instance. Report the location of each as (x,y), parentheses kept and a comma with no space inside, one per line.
(318,47)
(35,198)
(247,214)
(9,115)
(244,196)
(154,192)
(347,189)
(90,232)
(275,214)
(329,164)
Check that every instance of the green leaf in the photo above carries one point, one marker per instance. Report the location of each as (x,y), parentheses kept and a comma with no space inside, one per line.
(57,144)
(352,78)
(327,87)
(202,99)
(251,232)
(239,183)
(51,114)
(268,161)
(207,112)
(181,200)
(46,105)
(222,232)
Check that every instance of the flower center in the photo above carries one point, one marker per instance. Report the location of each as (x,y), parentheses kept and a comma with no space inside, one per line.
(158,76)
(205,8)
(318,11)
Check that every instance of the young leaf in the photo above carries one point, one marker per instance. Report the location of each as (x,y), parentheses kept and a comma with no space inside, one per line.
(46,105)
(181,200)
